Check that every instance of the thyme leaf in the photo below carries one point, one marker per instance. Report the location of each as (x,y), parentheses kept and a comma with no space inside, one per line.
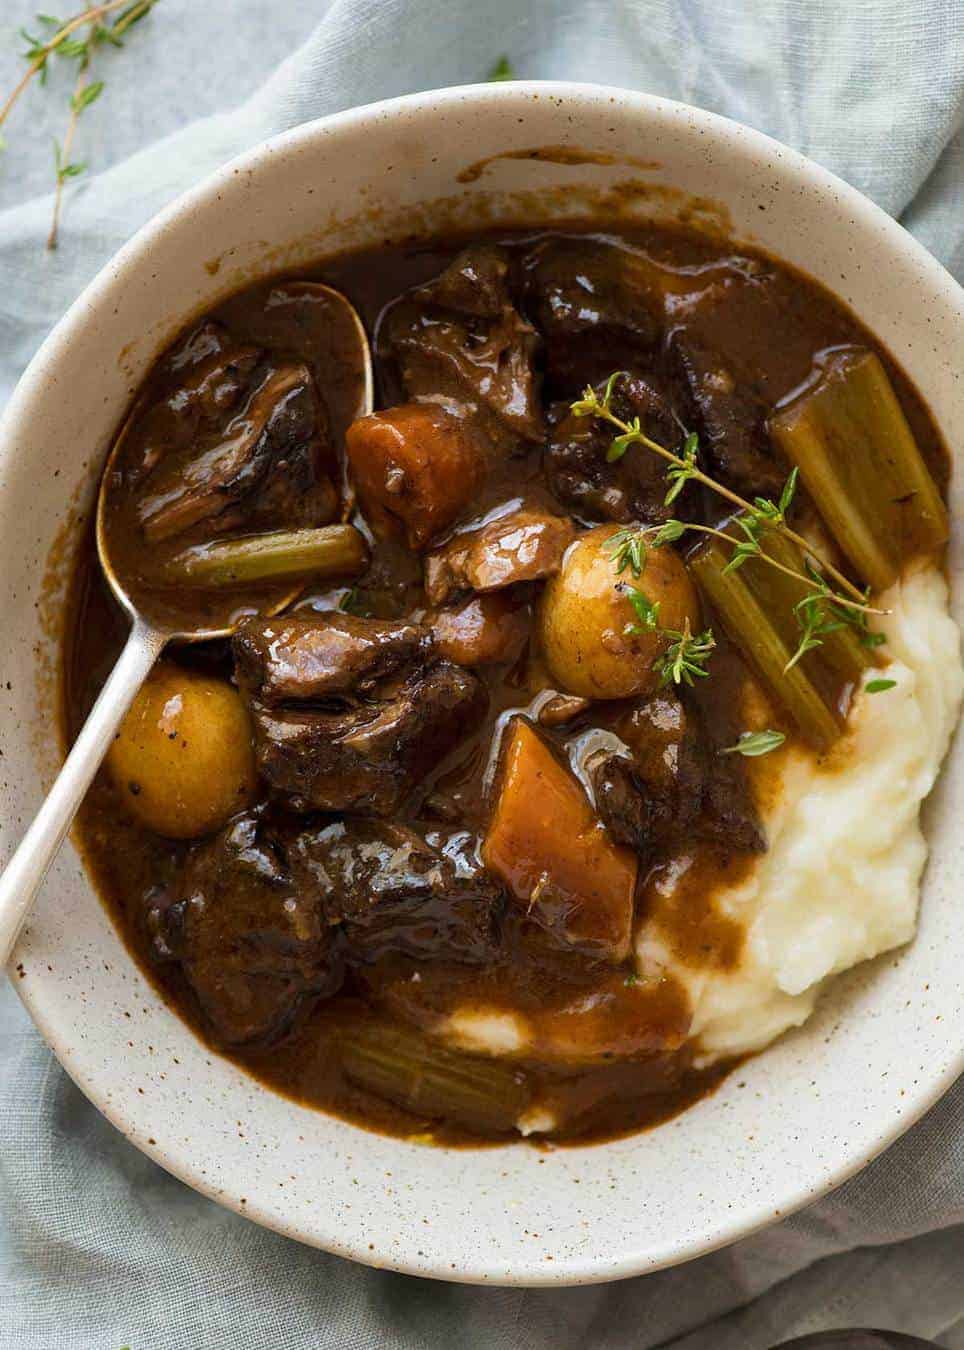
(685,466)
(669,532)
(104,23)
(686,657)
(646,611)
(628,549)
(86,96)
(678,475)
(621,444)
(501,70)
(748,547)
(755,743)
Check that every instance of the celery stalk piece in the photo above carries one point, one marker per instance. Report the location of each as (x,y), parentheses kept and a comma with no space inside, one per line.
(281,555)
(860,463)
(756,606)
(417,1072)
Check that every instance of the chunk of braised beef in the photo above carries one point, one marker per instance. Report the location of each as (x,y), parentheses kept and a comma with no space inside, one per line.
(304,658)
(255,947)
(525,544)
(598,307)
(728,812)
(344,728)
(717,707)
(729,415)
(391,889)
(482,630)
(263,916)
(295,449)
(210,371)
(475,283)
(653,791)
(630,488)
(264,467)
(674,783)
(371,756)
(199,382)
(461,336)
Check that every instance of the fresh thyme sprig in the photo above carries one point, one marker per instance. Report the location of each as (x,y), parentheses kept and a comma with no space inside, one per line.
(85,93)
(822,611)
(628,549)
(62,39)
(686,654)
(818,614)
(762,512)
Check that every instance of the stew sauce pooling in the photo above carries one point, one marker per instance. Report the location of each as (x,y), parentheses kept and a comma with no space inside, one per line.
(451,794)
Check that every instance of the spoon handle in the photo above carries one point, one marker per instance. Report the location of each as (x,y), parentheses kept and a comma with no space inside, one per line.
(27,868)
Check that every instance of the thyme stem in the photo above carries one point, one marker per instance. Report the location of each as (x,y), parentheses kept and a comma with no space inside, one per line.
(780,567)
(600,408)
(63,154)
(86,92)
(90,15)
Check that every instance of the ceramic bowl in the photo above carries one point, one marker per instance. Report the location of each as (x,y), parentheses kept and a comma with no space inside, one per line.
(793,1122)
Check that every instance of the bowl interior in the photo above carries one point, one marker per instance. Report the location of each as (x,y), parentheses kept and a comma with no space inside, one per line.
(795,1120)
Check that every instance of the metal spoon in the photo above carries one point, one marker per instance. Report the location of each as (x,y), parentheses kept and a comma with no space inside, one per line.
(147,639)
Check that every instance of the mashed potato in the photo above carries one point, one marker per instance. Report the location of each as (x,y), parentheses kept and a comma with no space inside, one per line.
(840,881)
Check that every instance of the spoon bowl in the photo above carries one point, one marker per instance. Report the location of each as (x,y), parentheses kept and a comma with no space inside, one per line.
(217,586)
(190,610)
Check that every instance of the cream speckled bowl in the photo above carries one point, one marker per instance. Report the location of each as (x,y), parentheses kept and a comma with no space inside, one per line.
(886,1041)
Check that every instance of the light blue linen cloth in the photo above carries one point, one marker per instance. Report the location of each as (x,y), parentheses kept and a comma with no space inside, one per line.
(101,1249)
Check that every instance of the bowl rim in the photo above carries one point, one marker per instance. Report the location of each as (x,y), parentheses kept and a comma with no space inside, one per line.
(806,175)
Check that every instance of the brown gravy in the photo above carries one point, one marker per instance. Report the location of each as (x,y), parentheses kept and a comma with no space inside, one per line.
(771,344)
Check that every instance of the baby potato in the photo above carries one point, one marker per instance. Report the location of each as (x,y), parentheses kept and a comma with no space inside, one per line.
(584,615)
(183,760)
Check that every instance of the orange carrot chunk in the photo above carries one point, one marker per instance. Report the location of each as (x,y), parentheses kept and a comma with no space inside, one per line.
(416,467)
(553,853)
